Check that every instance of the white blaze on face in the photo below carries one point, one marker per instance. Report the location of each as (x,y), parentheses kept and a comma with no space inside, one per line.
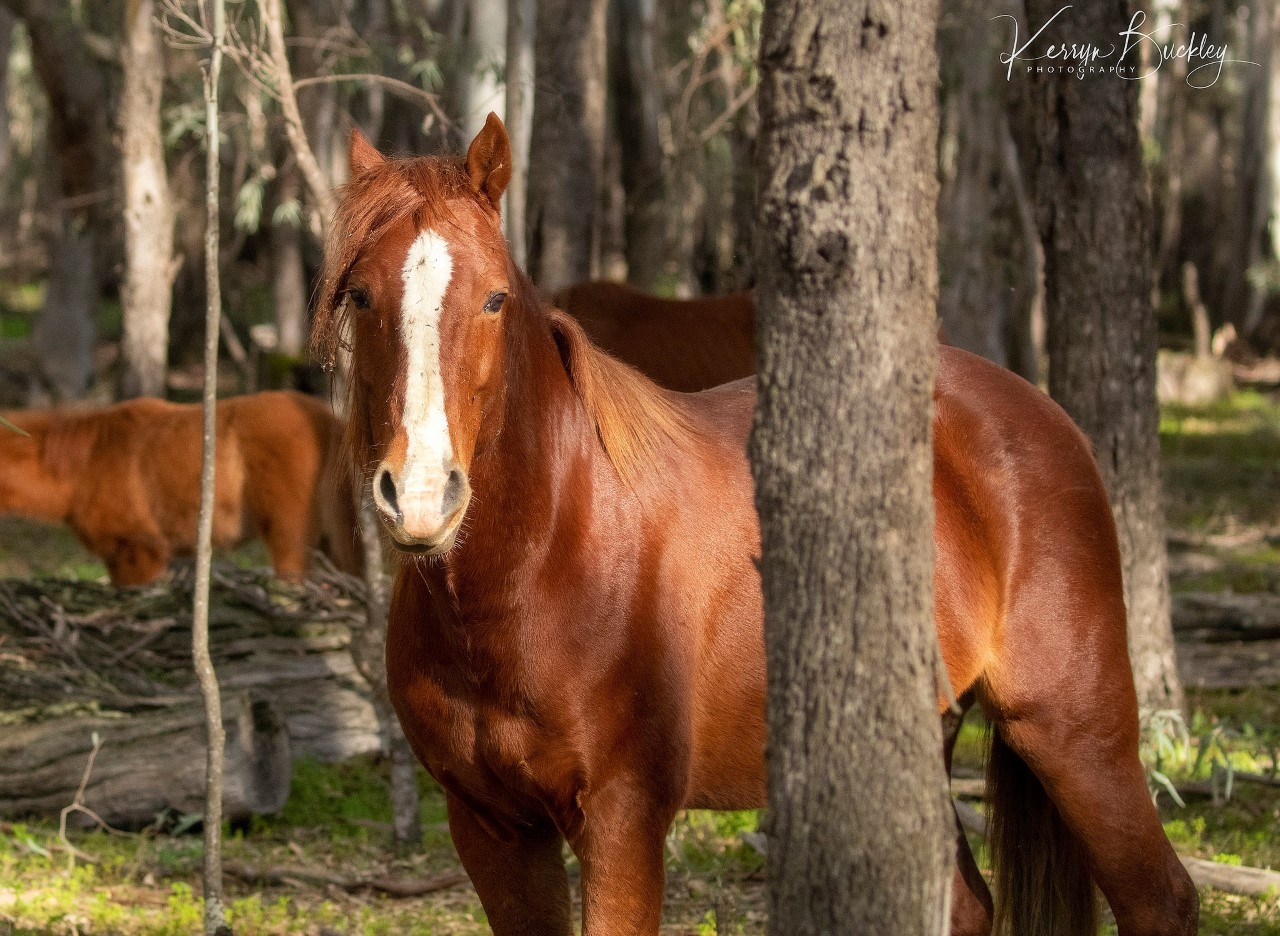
(427,270)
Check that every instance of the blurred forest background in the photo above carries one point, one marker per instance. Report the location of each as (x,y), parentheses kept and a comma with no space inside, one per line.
(640,168)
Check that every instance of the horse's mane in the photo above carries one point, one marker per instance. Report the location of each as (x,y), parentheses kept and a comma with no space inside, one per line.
(633,416)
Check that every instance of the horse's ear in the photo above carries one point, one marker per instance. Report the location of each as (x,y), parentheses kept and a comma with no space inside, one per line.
(361,154)
(489,160)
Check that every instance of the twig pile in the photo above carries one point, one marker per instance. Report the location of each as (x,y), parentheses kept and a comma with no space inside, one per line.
(64,641)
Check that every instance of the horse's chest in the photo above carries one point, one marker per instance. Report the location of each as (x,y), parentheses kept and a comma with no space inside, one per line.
(486,754)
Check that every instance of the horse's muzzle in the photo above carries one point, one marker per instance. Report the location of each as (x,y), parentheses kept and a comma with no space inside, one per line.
(423,517)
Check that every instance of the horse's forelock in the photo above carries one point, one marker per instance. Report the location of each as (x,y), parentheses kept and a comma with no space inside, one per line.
(367,206)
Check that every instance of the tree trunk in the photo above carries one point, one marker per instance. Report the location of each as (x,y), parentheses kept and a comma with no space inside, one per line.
(566,160)
(369,647)
(1094,218)
(7,23)
(374,29)
(1153,89)
(215,917)
(64,334)
(480,88)
(147,292)
(1173,157)
(638,107)
(78,136)
(742,142)
(860,832)
(288,273)
(521,30)
(1027,355)
(1253,197)
(1268,193)
(974,303)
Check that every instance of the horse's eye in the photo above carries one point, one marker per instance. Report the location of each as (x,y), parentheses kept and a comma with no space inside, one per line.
(359,297)
(494,302)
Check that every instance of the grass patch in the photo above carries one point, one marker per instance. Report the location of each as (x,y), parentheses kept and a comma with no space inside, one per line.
(1222,463)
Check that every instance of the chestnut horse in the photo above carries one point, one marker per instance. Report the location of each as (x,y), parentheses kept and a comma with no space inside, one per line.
(126,479)
(682,344)
(575,647)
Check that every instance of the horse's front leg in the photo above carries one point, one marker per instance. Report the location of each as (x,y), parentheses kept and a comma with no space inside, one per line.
(522,883)
(620,848)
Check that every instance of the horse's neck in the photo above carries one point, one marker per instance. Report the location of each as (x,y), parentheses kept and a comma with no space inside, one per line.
(27,485)
(540,461)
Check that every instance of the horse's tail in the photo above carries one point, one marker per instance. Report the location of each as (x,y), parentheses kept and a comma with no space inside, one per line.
(1042,882)
(339,524)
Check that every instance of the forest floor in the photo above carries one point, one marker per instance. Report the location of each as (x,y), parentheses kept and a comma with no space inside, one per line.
(1222,472)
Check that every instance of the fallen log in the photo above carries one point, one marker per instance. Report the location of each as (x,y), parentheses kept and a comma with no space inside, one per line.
(1241,664)
(1234,879)
(1213,617)
(80,658)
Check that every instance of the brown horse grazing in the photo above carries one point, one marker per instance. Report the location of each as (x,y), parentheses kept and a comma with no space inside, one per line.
(126,479)
(577,654)
(683,344)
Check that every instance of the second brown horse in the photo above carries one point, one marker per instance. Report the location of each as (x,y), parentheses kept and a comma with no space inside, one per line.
(126,479)
(577,654)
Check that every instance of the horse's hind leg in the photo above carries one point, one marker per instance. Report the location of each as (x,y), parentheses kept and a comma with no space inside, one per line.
(1064,704)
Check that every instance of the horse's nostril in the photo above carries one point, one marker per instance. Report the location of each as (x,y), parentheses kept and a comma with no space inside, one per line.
(454,488)
(387,488)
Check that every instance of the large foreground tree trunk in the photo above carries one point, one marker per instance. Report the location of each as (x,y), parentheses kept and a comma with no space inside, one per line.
(1094,218)
(147,292)
(859,820)
(566,163)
